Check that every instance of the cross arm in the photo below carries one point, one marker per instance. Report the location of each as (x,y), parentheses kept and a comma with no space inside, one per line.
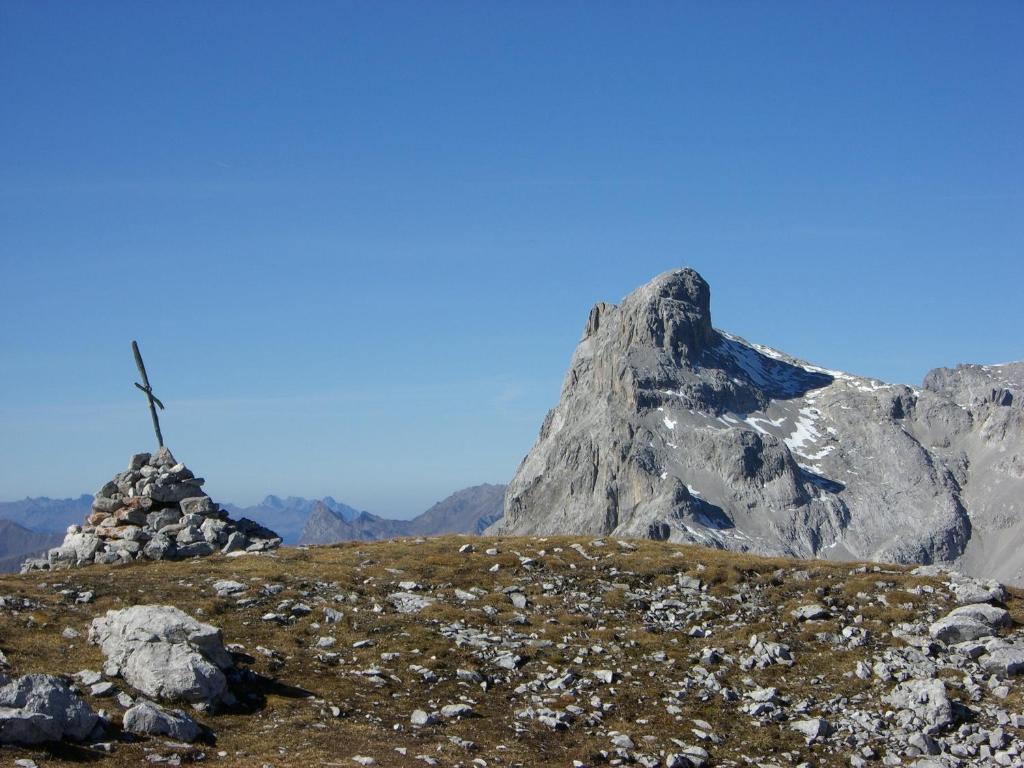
(150,395)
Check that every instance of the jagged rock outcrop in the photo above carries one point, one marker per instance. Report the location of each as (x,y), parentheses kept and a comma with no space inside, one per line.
(155,510)
(670,429)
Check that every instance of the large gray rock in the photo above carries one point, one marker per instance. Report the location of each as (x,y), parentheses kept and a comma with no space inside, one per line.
(40,708)
(149,719)
(925,700)
(78,548)
(198,505)
(667,428)
(409,602)
(959,629)
(1004,662)
(970,622)
(991,615)
(165,654)
(969,591)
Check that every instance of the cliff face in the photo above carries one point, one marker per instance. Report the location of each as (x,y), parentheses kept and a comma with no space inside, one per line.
(667,428)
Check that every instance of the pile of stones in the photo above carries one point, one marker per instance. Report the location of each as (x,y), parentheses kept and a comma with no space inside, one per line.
(154,510)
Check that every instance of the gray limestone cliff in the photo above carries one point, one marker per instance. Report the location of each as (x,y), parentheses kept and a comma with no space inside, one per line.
(670,429)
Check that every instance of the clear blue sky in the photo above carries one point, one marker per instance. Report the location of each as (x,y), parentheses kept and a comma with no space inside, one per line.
(358,241)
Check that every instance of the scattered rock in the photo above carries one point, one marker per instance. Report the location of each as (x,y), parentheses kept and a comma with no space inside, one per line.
(149,719)
(925,700)
(811,613)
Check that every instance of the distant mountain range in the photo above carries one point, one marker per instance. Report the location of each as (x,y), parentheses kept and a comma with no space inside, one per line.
(45,514)
(467,511)
(288,516)
(32,525)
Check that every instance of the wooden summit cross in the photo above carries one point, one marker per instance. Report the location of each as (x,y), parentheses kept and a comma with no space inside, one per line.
(144,386)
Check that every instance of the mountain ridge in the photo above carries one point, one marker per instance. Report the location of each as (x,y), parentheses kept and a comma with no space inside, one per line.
(469,510)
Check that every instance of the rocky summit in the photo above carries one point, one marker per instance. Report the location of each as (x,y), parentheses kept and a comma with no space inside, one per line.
(477,652)
(670,429)
(154,510)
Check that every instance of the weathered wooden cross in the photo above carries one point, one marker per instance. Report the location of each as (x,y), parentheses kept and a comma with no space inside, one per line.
(144,386)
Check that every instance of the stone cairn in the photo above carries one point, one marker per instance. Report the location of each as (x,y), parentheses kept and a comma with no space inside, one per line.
(155,510)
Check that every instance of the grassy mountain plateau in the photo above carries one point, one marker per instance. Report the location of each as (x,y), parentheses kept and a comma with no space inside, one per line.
(516,651)
(692,567)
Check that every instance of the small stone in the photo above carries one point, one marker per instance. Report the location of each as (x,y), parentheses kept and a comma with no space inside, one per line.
(103,689)
(456,710)
(226,587)
(421,717)
(811,613)
(198,505)
(813,729)
(622,741)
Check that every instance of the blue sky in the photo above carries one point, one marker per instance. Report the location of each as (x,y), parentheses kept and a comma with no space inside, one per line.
(358,241)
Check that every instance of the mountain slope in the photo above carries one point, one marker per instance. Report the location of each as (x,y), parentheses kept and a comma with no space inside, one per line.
(670,429)
(470,510)
(18,543)
(326,526)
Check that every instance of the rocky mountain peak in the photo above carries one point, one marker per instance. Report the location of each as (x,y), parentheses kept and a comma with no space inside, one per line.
(671,429)
(320,508)
(672,313)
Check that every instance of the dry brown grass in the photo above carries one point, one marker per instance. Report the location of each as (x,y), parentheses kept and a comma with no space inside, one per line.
(293,726)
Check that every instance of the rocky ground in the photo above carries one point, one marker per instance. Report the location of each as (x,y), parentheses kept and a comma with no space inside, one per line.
(511,651)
